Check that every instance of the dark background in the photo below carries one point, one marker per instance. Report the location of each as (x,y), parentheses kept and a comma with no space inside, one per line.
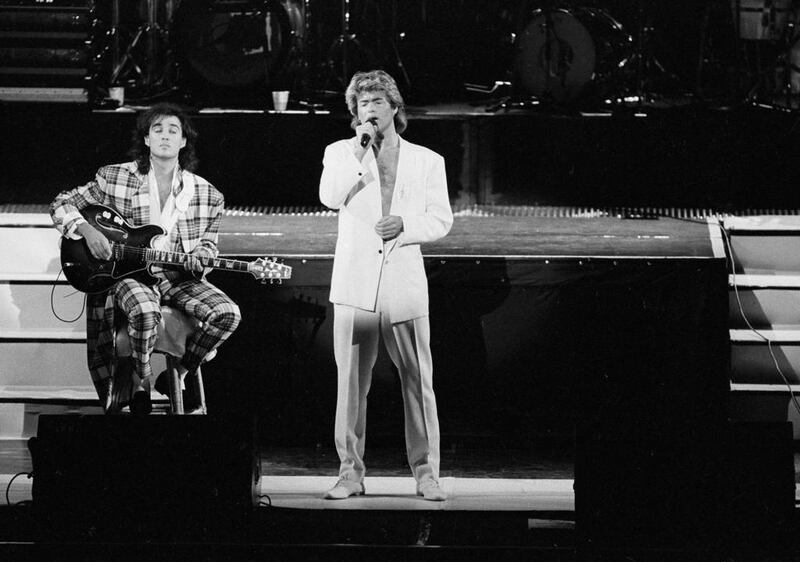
(681,157)
(524,352)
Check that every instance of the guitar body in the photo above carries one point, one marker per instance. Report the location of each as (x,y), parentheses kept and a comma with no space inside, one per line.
(90,275)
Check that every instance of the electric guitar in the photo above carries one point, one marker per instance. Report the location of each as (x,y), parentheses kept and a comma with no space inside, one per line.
(133,256)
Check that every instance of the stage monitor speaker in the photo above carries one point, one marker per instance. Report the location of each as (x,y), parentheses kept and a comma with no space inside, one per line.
(760,474)
(160,478)
(690,491)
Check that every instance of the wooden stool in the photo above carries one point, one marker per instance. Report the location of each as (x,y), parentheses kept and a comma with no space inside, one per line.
(174,328)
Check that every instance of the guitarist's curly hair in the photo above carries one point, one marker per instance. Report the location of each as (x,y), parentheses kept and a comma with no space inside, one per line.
(140,152)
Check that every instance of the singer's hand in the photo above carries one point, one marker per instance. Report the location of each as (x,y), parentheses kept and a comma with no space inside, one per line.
(389,228)
(97,243)
(193,262)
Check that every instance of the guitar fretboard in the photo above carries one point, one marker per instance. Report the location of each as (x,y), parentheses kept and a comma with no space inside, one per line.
(150,255)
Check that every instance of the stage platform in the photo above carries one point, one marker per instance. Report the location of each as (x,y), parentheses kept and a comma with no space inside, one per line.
(513,233)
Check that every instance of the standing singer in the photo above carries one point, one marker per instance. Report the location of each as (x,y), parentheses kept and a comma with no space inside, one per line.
(391,196)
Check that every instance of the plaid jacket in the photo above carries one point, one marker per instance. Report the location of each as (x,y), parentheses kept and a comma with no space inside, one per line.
(123,188)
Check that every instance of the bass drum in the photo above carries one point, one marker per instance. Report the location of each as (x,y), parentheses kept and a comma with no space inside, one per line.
(560,53)
(233,46)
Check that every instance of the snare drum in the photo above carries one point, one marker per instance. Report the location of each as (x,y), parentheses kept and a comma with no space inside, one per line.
(761,20)
(560,52)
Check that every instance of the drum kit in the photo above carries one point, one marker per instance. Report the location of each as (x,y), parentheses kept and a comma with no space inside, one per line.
(212,48)
(769,33)
(564,51)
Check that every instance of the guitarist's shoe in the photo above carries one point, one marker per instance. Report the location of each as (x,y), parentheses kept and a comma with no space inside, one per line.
(162,381)
(162,384)
(141,404)
(190,403)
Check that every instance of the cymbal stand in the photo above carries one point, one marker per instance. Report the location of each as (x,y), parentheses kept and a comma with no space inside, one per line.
(787,60)
(296,65)
(395,34)
(340,44)
(643,57)
(143,65)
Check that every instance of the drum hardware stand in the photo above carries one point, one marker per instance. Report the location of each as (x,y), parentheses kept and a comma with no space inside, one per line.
(345,38)
(644,59)
(784,60)
(716,17)
(504,102)
(766,84)
(394,34)
(299,54)
(152,34)
(296,62)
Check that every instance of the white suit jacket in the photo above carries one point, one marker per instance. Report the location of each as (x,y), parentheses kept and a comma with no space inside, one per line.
(420,198)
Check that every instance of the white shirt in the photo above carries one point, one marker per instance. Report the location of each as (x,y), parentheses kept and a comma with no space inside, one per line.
(166,217)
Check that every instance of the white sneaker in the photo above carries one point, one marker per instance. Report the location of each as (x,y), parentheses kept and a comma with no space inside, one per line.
(430,490)
(344,489)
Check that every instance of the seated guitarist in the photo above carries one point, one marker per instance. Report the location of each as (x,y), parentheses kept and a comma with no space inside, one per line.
(157,187)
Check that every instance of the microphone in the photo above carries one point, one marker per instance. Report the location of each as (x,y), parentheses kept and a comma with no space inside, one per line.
(366,137)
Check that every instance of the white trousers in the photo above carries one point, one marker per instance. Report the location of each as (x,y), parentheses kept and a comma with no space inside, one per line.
(355,343)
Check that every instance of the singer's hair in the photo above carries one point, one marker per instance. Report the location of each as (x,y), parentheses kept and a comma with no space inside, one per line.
(376,81)
(140,152)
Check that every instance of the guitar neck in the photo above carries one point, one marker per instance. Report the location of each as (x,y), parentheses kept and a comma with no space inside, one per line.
(164,257)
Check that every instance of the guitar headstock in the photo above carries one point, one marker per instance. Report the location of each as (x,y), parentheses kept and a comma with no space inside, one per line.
(269,269)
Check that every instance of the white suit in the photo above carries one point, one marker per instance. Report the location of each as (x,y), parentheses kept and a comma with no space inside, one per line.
(381,287)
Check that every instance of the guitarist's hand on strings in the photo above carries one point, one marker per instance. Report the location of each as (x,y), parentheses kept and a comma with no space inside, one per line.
(193,262)
(97,243)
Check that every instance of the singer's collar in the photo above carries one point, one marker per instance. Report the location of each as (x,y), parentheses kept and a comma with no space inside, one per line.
(381,142)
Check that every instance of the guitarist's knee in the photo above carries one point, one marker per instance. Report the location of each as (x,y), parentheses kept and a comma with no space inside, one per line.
(144,316)
(225,317)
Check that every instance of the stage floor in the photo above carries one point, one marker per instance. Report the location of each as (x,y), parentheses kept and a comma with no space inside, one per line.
(513,233)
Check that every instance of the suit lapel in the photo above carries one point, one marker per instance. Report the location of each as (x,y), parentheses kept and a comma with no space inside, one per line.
(372,189)
(404,165)
(141,198)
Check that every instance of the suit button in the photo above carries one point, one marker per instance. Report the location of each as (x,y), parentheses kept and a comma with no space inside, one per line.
(380,251)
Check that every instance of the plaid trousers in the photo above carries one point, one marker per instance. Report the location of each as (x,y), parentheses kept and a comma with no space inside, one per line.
(141,305)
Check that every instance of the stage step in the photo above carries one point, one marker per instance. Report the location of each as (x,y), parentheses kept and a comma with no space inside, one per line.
(29,245)
(768,244)
(764,317)
(764,301)
(42,330)
(40,310)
